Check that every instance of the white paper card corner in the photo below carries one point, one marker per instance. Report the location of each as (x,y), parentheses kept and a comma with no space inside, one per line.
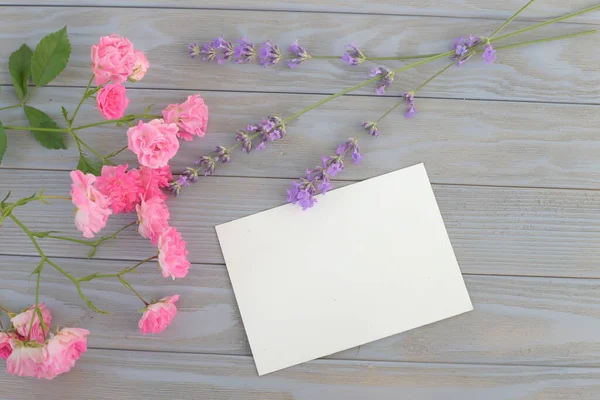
(370,260)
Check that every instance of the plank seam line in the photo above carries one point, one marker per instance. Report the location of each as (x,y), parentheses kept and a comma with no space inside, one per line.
(375,14)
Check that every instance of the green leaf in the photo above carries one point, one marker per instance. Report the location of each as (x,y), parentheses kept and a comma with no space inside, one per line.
(86,165)
(19,65)
(5,198)
(65,113)
(43,234)
(39,119)
(3,141)
(50,57)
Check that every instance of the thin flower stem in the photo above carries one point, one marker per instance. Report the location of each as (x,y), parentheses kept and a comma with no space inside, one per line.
(441,71)
(31,128)
(508,21)
(552,21)
(390,58)
(116,153)
(390,110)
(13,106)
(5,310)
(510,46)
(128,285)
(83,98)
(115,121)
(120,273)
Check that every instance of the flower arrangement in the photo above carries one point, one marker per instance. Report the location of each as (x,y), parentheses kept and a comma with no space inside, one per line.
(269,54)
(99,189)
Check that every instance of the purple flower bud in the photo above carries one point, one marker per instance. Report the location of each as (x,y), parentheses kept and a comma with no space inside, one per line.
(489,54)
(371,127)
(174,188)
(244,139)
(464,48)
(194,50)
(269,54)
(387,78)
(409,98)
(300,54)
(222,155)
(353,56)
(209,51)
(208,163)
(191,174)
(244,52)
(226,49)
(302,193)
(183,181)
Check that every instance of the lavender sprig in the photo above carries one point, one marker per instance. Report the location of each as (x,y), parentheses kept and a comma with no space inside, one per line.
(318,180)
(353,56)
(244,52)
(386,78)
(300,55)
(269,54)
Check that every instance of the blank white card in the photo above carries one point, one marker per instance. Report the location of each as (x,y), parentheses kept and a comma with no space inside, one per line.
(368,261)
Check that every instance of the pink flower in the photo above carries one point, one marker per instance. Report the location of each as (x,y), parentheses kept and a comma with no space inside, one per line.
(141,66)
(191,117)
(113,59)
(112,101)
(29,359)
(22,322)
(92,207)
(65,348)
(123,188)
(154,180)
(172,254)
(154,142)
(5,347)
(153,217)
(158,316)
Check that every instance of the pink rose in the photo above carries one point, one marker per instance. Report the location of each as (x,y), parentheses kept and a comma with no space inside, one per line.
(153,217)
(65,348)
(140,68)
(158,316)
(191,117)
(154,142)
(154,180)
(112,101)
(5,347)
(123,188)
(22,322)
(113,59)
(172,254)
(92,207)
(29,359)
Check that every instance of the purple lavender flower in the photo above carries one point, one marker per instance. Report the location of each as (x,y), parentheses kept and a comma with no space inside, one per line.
(302,192)
(244,52)
(489,54)
(209,165)
(409,98)
(371,127)
(209,51)
(222,155)
(300,54)
(353,56)
(226,49)
(349,146)
(244,139)
(175,188)
(269,129)
(194,50)
(463,48)
(190,174)
(269,54)
(387,78)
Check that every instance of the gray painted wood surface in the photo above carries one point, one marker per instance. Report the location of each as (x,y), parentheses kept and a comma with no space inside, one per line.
(511,150)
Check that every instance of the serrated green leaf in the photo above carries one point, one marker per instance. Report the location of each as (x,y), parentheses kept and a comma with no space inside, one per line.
(19,65)
(39,119)
(87,165)
(3,142)
(50,57)
(65,113)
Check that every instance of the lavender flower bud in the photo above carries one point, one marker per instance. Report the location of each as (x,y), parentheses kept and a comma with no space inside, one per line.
(464,48)
(269,54)
(174,188)
(209,165)
(194,50)
(489,54)
(244,139)
(226,48)
(371,127)
(209,51)
(244,52)
(223,155)
(191,174)
(353,56)
(300,54)
(386,80)
(409,98)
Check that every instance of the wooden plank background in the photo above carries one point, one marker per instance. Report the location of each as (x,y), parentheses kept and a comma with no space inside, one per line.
(511,150)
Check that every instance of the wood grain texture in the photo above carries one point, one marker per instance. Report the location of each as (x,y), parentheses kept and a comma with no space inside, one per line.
(544,232)
(455,8)
(536,321)
(555,72)
(461,142)
(105,374)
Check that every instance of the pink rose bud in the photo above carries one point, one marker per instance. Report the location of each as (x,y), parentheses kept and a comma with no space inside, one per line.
(92,207)
(158,316)
(23,321)
(5,347)
(172,254)
(153,217)
(112,101)
(154,142)
(191,117)
(140,68)
(113,59)
(65,348)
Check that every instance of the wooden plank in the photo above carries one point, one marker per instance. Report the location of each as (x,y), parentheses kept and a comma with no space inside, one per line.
(460,142)
(507,231)
(492,9)
(102,374)
(539,321)
(558,71)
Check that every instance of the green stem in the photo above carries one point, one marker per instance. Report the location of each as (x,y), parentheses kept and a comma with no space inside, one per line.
(510,46)
(5,310)
(508,21)
(31,128)
(116,153)
(128,285)
(379,58)
(552,21)
(441,71)
(122,272)
(83,98)
(390,110)
(13,106)
(115,121)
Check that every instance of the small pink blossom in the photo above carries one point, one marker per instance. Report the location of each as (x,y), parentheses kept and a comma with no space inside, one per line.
(154,142)
(65,348)
(112,101)
(172,254)
(5,346)
(191,117)
(153,217)
(113,59)
(29,359)
(92,207)
(140,67)
(158,316)
(154,180)
(123,188)
(22,322)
